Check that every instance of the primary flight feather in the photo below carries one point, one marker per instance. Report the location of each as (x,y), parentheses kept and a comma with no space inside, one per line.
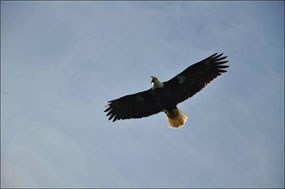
(164,96)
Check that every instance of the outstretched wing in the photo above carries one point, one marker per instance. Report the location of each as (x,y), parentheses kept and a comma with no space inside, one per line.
(136,105)
(196,77)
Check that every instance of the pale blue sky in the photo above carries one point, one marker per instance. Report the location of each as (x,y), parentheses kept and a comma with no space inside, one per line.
(61,62)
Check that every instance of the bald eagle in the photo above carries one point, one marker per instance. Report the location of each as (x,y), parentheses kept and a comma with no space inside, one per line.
(164,96)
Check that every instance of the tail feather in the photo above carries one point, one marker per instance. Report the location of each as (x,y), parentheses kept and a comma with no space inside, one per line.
(176,119)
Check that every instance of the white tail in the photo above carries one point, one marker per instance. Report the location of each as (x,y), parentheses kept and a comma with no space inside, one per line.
(176,119)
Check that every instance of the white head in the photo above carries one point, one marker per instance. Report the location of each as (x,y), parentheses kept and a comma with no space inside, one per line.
(155,83)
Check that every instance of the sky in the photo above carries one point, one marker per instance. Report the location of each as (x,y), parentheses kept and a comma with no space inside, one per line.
(62,61)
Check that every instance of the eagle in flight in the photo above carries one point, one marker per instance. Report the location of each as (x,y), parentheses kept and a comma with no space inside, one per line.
(164,96)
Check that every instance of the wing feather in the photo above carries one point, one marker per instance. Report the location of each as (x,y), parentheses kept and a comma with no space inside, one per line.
(136,105)
(196,77)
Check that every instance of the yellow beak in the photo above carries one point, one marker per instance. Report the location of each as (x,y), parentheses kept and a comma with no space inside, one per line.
(152,78)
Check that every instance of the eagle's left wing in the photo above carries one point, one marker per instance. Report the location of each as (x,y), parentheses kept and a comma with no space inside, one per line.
(196,77)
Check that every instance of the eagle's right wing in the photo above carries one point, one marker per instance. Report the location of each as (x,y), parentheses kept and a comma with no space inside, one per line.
(136,105)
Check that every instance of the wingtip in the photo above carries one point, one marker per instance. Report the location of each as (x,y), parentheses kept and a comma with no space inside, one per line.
(213,55)
(219,55)
(216,55)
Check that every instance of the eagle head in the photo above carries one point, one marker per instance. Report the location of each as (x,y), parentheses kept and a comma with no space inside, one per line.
(153,79)
(155,83)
